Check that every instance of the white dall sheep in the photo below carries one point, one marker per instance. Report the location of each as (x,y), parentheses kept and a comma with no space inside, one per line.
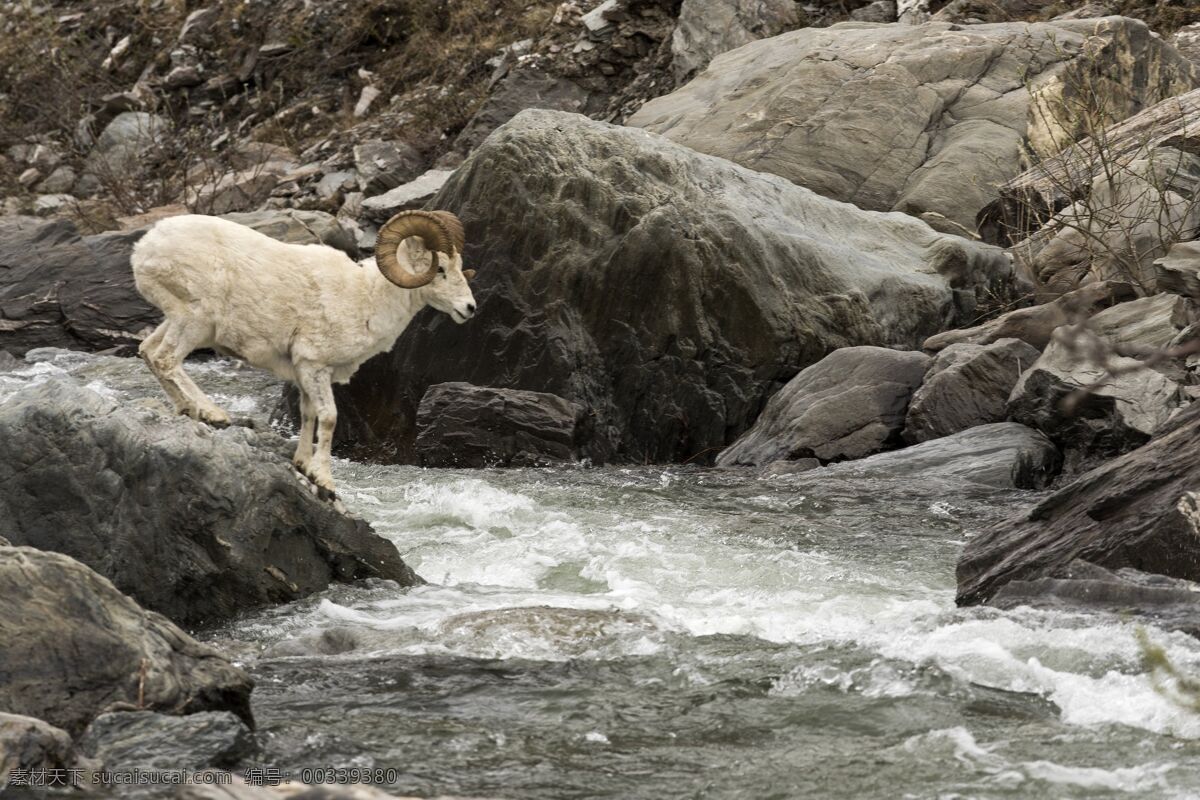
(308,313)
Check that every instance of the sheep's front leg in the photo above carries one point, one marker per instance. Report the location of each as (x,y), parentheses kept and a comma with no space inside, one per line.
(304,450)
(317,384)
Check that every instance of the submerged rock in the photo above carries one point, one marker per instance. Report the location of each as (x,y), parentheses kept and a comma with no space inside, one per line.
(75,647)
(668,292)
(1170,603)
(914,118)
(126,740)
(1140,510)
(967,385)
(195,523)
(848,405)
(460,425)
(1003,455)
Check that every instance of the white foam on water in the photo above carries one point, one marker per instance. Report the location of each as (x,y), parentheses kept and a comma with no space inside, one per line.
(1003,771)
(490,550)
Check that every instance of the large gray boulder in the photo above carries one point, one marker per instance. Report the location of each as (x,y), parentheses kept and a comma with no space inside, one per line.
(967,385)
(194,523)
(668,292)
(708,28)
(1091,399)
(1140,510)
(75,647)
(926,119)
(60,289)
(461,425)
(848,405)
(1002,455)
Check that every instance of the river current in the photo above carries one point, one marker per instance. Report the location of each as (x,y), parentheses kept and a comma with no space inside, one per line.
(676,632)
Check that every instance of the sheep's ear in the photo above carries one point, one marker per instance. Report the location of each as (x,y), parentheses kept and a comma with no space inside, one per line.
(468,273)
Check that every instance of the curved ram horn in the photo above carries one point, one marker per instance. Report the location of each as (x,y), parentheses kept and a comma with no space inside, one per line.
(435,231)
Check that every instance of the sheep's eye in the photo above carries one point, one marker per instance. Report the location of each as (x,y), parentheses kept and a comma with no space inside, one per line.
(441,271)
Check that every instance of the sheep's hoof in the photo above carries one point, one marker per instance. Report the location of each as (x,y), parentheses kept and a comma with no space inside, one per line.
(323,489)
(217,418)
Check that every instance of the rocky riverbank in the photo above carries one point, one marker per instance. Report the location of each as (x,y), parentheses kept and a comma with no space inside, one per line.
(950,245)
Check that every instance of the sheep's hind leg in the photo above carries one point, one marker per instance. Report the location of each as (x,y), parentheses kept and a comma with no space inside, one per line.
(149,350)
(166,360)
(304,450)
(316,383)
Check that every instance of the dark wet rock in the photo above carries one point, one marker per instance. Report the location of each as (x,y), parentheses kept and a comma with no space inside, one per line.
(848,405)
(966,385)
(31,744)
(896,117)
(666,291)
(195,523)
(1036,324)
(1090,399)
(75,647)
(126,740)
(460,425)
(1170,603)
(60,289)
(1140,510)
(708,28)
(1002,455)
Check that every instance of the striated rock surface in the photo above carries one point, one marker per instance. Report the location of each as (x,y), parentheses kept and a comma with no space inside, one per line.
(1171,603)
(848,405)
(667,291)
(75,647)
(1002,455)
(1140,510)
(1086,396)
(893,117)
(967,385)
(460,425)
(194,523)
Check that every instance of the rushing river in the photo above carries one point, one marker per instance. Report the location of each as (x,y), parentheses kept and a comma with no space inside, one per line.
(668,632)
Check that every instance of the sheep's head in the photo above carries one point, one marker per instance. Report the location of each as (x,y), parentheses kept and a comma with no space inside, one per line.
(433,242)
